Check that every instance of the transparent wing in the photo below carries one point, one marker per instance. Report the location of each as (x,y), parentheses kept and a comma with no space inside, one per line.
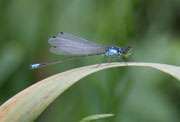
(68,44)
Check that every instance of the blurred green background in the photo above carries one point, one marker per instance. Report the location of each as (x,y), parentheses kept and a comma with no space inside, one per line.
(133,94)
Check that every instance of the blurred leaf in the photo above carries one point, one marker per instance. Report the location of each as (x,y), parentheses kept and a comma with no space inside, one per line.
(96,117)
(29,104)
(11,53)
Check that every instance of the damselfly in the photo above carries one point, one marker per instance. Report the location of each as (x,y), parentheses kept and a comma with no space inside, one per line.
(70,45)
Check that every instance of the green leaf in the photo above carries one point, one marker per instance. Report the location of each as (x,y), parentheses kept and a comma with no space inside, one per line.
(29,104)
(96,117)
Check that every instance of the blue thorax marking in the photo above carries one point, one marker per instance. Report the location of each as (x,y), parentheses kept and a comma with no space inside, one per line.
(112,51)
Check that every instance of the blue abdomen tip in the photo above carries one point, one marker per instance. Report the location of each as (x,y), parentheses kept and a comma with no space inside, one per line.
(33,66)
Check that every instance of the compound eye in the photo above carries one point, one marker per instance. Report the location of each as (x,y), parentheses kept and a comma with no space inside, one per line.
(127,48)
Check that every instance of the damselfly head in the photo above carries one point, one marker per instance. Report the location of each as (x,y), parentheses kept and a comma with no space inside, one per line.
(128,48)
(125,51)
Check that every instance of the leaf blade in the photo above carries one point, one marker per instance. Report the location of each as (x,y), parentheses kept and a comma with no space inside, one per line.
(29,104)
(96,117)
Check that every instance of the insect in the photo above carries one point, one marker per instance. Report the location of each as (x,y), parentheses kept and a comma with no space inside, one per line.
(77,47)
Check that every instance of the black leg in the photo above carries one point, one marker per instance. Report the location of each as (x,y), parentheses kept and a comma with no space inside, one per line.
(101,62)
(120,58)
(109,60)
(131,59)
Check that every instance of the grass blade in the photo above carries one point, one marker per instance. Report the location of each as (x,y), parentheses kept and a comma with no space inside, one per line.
(29,103)
(96,117)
